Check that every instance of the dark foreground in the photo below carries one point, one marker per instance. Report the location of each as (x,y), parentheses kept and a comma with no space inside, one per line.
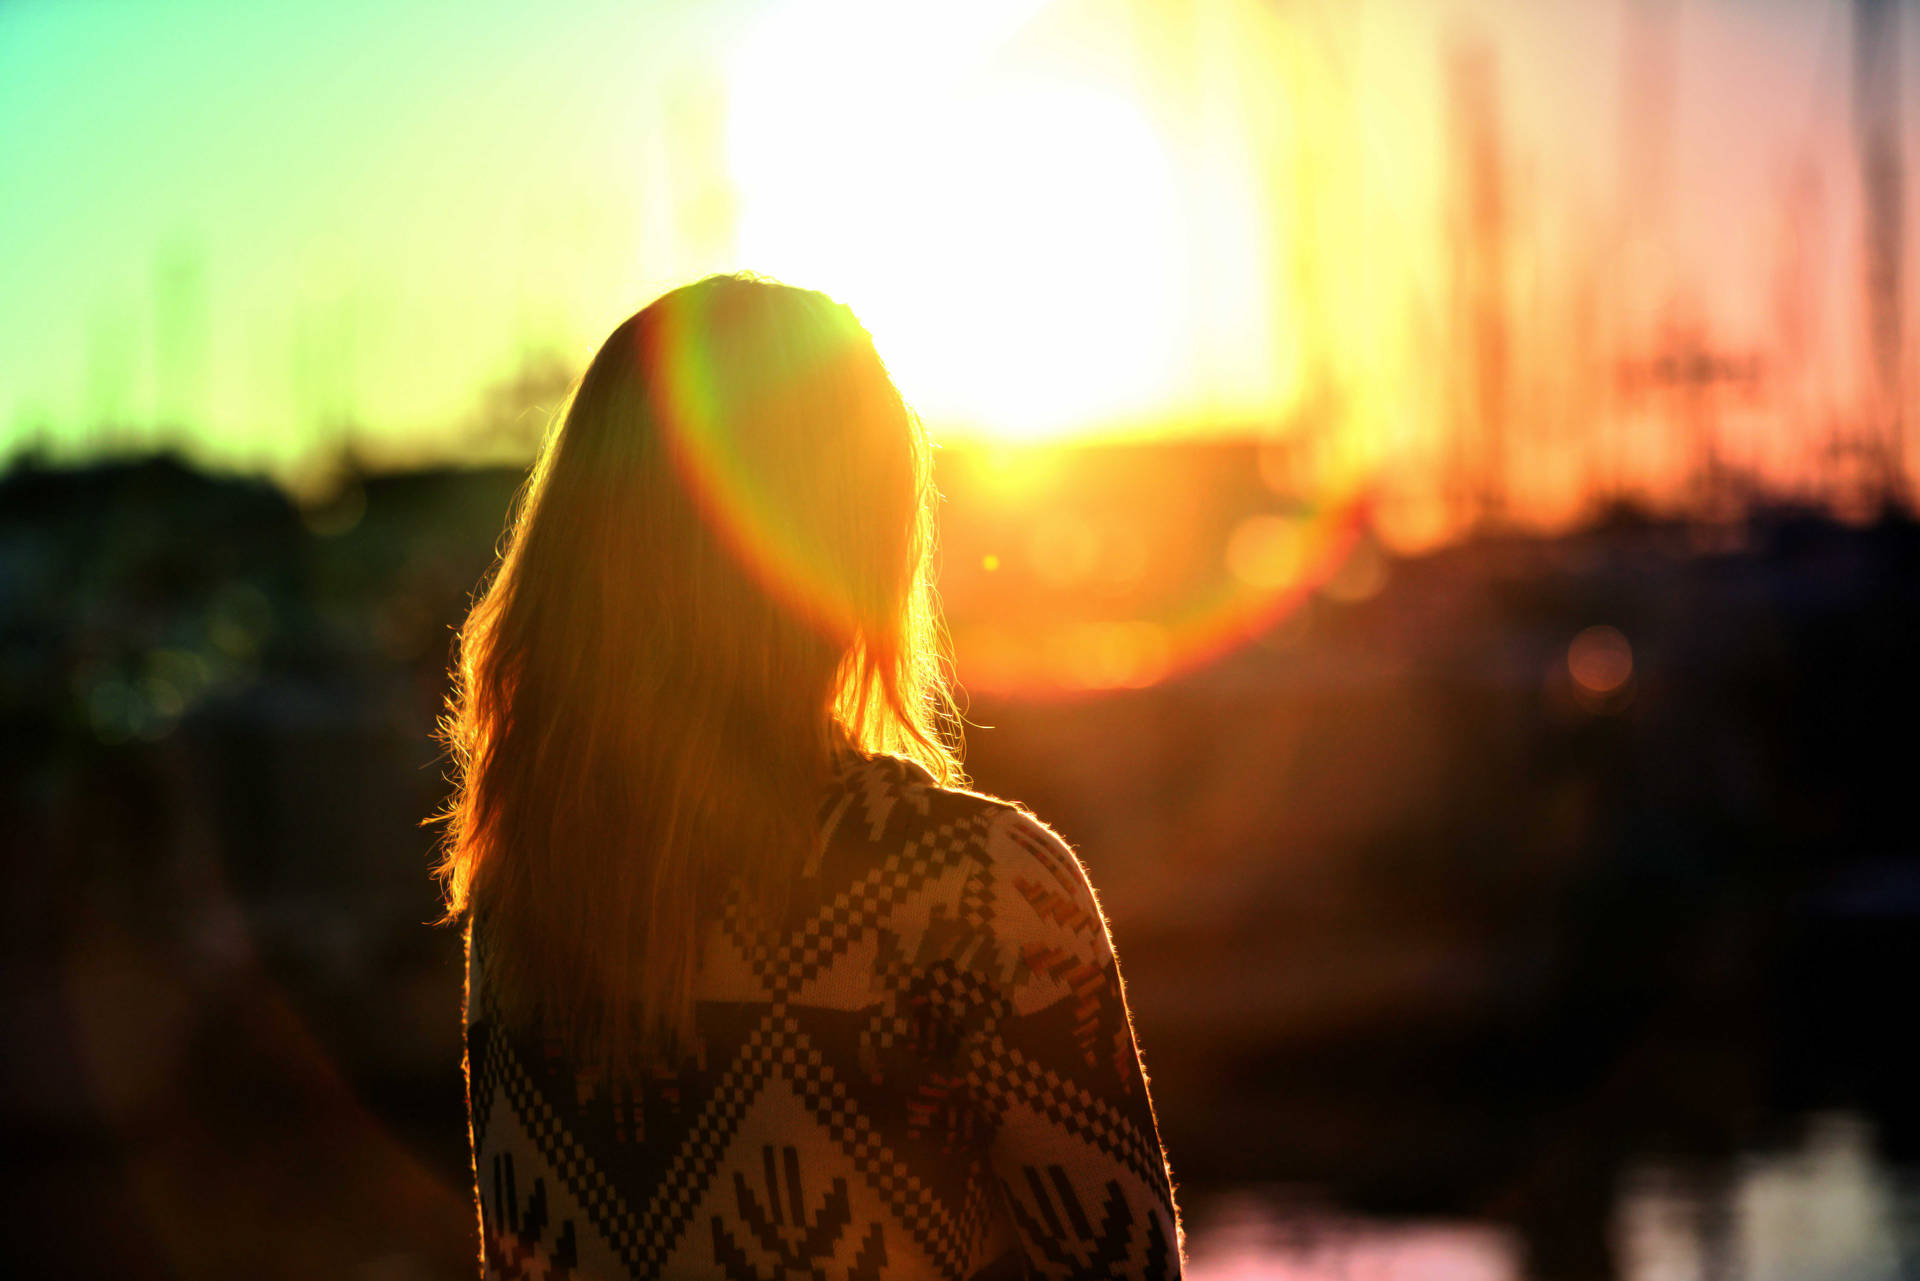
(1414,928)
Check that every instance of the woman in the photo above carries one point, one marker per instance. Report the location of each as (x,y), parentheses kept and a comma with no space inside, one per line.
(754,988)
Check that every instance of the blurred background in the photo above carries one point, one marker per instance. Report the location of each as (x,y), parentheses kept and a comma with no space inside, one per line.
(1428,513)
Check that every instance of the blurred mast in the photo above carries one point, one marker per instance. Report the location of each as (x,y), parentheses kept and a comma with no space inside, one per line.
(1477,474)
(1881,443)
(1798,330)
(1676,389)
(179,342)
(1645,282)
(1292,465)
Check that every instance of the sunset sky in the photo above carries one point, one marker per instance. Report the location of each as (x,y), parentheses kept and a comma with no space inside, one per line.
(243,228)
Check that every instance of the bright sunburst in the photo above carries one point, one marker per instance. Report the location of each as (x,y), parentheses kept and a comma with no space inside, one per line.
(1027,246)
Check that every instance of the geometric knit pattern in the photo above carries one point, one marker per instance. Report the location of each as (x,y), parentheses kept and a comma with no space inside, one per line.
(927,1071)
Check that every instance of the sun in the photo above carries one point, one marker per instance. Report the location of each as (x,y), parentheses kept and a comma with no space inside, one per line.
(1014,241)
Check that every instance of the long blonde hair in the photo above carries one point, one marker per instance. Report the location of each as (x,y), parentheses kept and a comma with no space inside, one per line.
(717,573)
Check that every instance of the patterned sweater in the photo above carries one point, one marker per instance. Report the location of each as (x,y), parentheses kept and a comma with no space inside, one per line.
(929,1072)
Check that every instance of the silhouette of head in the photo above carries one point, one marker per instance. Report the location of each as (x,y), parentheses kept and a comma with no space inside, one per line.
(716,576)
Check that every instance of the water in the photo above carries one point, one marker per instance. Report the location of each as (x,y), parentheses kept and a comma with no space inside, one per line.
(1255,1236)
(1825,1207)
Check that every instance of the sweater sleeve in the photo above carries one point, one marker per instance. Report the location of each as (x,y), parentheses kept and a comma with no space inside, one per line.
(1075,1148)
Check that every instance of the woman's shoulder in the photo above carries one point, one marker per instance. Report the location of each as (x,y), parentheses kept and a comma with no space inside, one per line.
(886,782)
(1019,869)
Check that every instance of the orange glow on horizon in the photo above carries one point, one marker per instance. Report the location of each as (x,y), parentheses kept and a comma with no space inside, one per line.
(1448,252)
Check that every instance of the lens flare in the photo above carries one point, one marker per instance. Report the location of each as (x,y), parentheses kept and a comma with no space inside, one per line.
(1139,580)
(734,450)
(1600,660)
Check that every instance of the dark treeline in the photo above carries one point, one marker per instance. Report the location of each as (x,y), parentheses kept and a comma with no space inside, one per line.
(1410,915)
